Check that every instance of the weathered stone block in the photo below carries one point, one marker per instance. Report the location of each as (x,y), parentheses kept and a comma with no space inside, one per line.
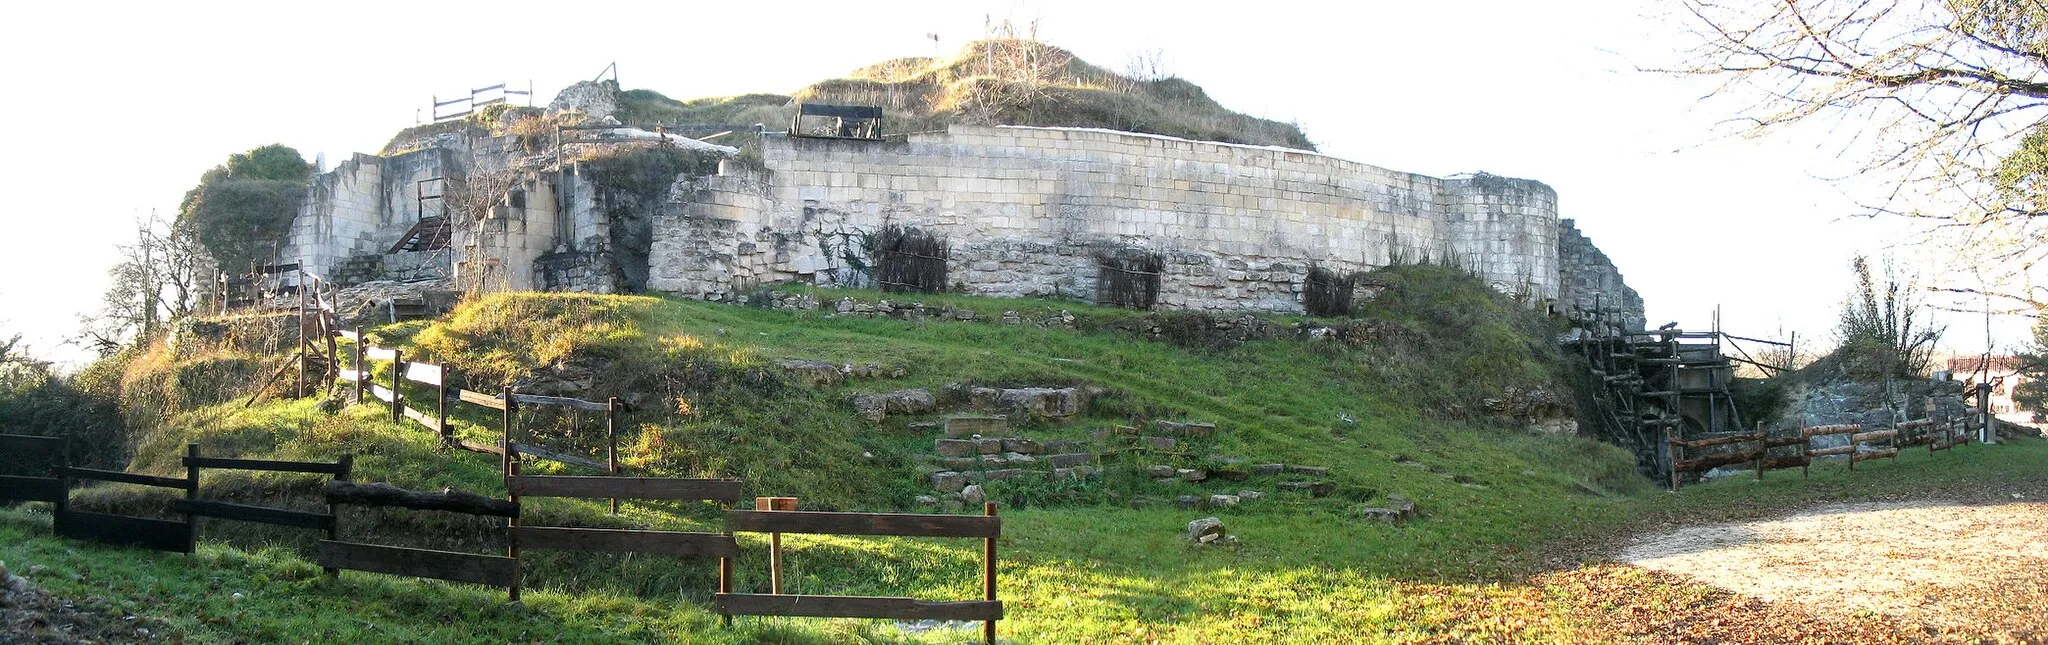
(1191,474)
(988,445)
(1024,446)
(1268,470)
(1312,471)
(1160,471)
(955,447)
(949,482)
(1188,430)
(1011,473)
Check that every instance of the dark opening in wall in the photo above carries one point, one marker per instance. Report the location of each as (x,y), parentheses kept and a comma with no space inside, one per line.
(908,260)
(1326,293)
(1128,278)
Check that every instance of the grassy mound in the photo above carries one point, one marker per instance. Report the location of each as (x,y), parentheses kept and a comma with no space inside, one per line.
(1000,81)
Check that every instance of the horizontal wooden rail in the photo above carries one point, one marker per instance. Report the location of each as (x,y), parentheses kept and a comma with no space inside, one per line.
(742,604)
(1816,431)
(451,500)
(580,404)
(379,353)
(420,563)
(1830,452)
(903,525)
(96,474)
(30,489)
(383,393)
(1714,441)
(1874,435)
(315,467)
(1711,462)
(485,448)
(258,514)
(423,418)
(352,375)
(1778,442)
(161,535)
(626,541)
(427,373)
(627,487)
(22,443)
(347,335)
(479,398)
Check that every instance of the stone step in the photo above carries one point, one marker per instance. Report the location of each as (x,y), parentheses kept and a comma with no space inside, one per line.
(967,427)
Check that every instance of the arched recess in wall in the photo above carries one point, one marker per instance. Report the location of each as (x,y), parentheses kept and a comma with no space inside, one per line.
(908,259)
(1128,278)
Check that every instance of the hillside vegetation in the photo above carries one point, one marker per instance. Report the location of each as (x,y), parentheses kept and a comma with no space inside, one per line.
(1004,81)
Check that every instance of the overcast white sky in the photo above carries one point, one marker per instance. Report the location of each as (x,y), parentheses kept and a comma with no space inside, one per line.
(115,110)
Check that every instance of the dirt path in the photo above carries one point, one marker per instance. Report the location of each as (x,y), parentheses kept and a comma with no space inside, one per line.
(1979,570)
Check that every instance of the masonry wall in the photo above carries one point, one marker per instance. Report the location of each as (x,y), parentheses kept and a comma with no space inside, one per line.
(1028,209)
(1590,280)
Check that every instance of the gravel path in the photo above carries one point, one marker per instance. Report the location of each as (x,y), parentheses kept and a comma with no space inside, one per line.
(1980,569)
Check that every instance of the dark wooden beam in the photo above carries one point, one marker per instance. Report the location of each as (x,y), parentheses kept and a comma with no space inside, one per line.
(139,479)
(161,535)
(314,467)
(258,514)
(490,570)
(904,525)
(30,489)
(745,604)
(452,500)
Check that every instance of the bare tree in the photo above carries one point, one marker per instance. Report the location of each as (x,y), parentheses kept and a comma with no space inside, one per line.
(1948,95)
(156,281)
(1017,72)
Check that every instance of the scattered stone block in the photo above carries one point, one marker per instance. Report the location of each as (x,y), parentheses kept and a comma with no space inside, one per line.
(1070,460)
(1311,471)
(923,426)
(1024,446)
(927,500)
(1160,471)
(1036,401)
(955,447)
(1187,501)
(875,407)
(1143,502)
(1158,443)
(1191,474)
(1223,500)
(1086,471)
(812,374)
(949,481)
(953,505)
(1205,527)
(973,495)
(1008,473)
(1018,458)
(988,446)
(1268,470)
(966,427)
(1063,473)
(993,460)
(957,463)
(1249,495)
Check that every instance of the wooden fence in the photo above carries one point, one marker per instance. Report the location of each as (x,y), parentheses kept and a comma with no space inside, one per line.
(987,527)
(1754,449)
(43,485)
(718,545)
(420,563)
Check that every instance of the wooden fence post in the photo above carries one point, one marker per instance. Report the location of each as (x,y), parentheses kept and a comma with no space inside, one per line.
(191,494)
(1763,448)
(348,466)
(775,539)
(397,366)
(511,412)
(1671,447)
(988,577)
(611,433)
(304,342)
(357,364)
(441,407)
(512,523)
(1805,449)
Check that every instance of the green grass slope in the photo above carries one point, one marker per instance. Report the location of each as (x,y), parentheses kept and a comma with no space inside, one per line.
(1399,408)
